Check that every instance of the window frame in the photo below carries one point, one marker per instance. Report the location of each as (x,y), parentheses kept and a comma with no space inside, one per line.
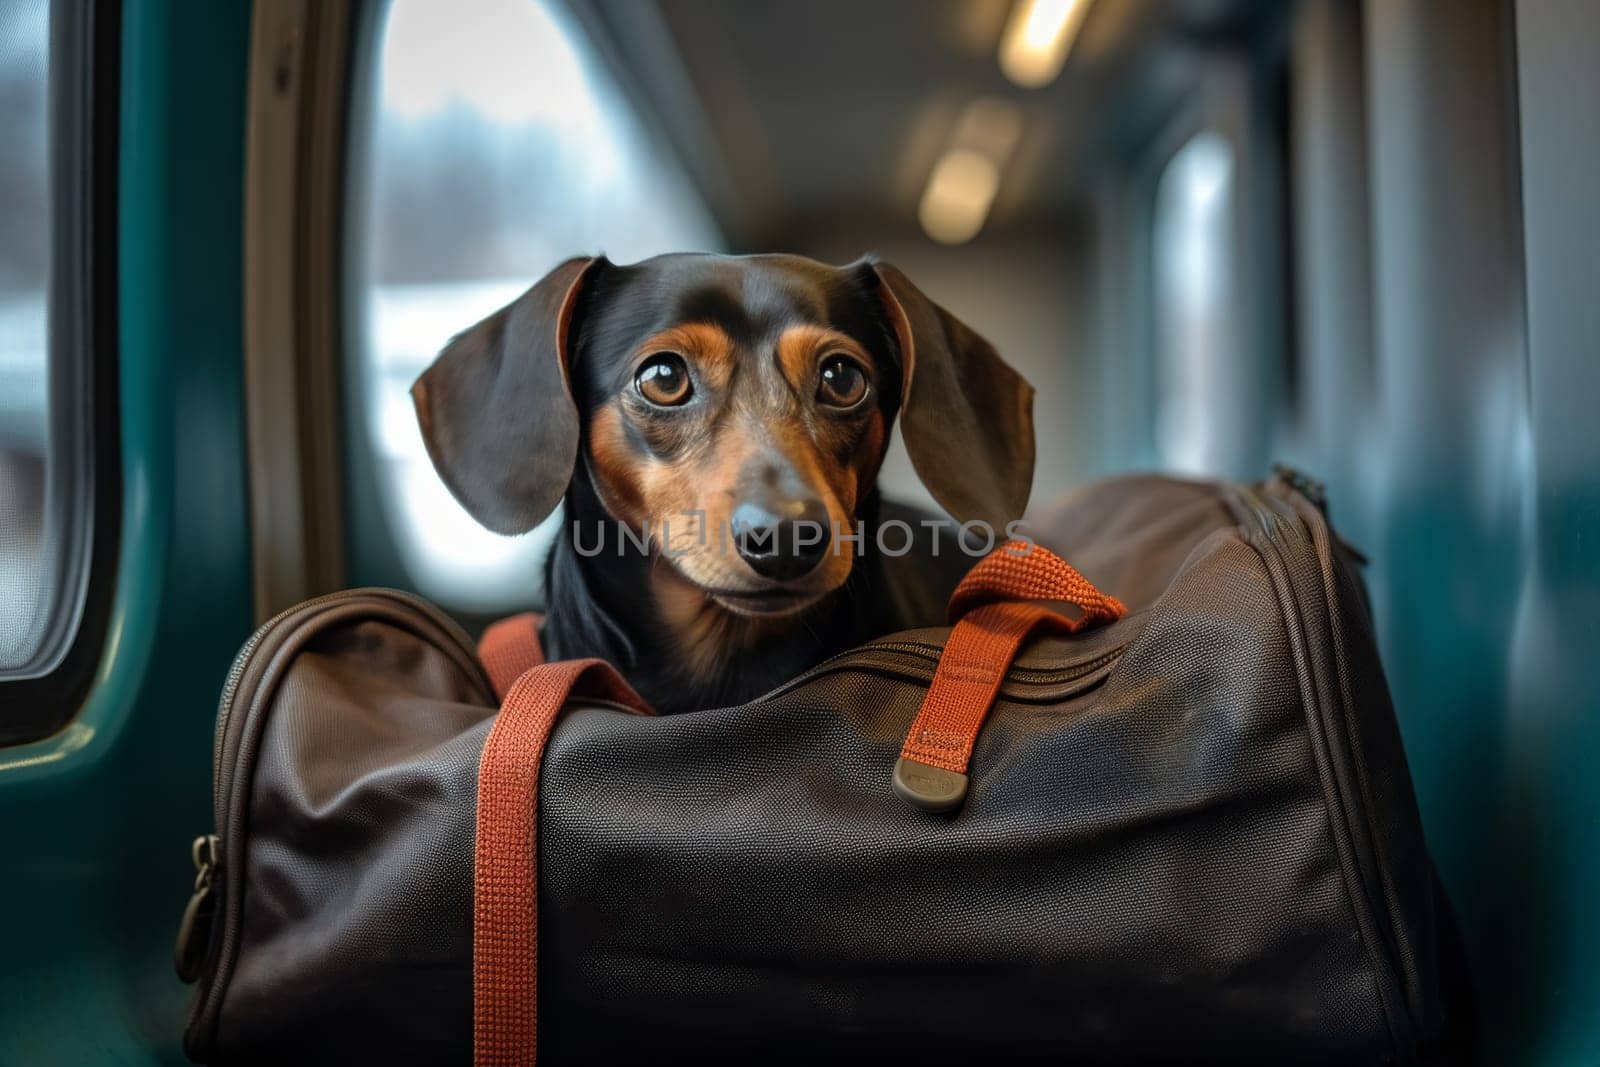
(1176,125)
(1181,135)
(83,70)
(1225,98)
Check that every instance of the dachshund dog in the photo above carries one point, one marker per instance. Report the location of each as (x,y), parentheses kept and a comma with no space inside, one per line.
(715,426)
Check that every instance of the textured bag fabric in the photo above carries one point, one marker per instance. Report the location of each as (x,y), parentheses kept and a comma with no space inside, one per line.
(1189,836)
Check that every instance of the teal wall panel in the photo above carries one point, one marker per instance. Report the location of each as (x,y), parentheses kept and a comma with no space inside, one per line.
(1447,344)
(95,821)
(1547,836)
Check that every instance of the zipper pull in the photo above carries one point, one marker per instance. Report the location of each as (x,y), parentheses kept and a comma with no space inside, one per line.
(1317,494)
(1304,484)
(194,932)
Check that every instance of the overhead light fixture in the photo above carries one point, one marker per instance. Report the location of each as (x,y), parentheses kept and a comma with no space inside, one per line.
(958,197)
(991,125)
(962,186)
(1037,39)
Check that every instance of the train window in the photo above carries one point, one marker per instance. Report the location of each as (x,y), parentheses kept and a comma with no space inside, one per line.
(1195,330)
(26,594)
(57,418)
(497,146)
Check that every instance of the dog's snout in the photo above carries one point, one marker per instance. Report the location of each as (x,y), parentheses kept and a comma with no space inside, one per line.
(781,539)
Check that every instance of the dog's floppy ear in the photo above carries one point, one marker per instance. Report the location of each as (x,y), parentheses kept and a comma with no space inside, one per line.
(966,417)
(496,407)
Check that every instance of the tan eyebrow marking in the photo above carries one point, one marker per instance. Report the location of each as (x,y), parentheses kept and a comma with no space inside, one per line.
(705,344)
(799,347)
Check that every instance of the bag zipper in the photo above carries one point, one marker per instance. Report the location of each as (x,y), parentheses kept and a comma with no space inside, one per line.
(219,874)
(870,659)
(1261,519)
(242,661)
(189,957)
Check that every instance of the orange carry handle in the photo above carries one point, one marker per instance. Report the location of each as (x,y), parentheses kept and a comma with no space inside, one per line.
(991,623)
(509,648)
(505,871)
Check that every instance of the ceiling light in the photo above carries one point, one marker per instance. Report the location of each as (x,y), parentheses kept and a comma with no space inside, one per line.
(960,192)
(1037,39)
(991,125)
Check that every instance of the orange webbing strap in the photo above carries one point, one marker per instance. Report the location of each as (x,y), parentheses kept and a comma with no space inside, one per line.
(505,878)
(991,624)
(508,648)
(1023,570)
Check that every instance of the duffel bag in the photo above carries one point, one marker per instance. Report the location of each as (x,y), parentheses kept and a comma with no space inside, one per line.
(1185,833)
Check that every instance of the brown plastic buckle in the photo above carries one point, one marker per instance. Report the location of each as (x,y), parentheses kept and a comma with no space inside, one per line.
(929,788)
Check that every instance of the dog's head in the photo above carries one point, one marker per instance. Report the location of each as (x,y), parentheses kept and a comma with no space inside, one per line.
(734,408)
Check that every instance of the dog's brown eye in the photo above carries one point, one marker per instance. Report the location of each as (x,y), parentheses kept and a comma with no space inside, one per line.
(843,383)
(663,379)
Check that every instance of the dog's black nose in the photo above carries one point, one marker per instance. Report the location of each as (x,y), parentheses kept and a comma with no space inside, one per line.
(781,540)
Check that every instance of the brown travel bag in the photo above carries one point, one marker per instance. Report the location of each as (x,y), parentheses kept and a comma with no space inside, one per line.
(1180,832)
